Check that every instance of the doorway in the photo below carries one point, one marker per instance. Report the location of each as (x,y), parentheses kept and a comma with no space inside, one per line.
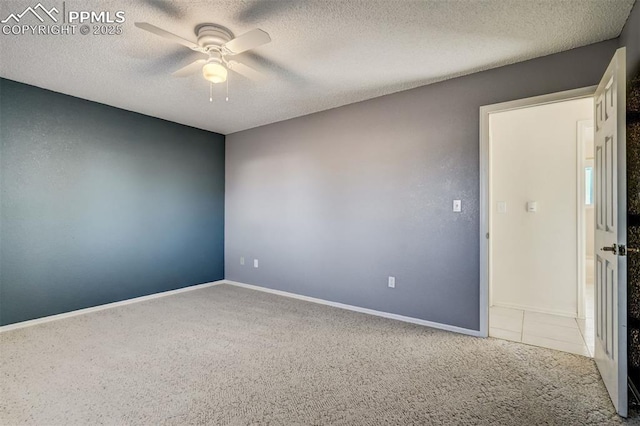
(610,233)
(539,194)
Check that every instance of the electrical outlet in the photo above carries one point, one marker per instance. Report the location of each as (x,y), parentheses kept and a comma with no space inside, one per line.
(242,260)
(255,263)
(392,282)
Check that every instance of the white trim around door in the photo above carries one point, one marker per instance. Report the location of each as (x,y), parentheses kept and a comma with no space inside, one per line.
(485,112)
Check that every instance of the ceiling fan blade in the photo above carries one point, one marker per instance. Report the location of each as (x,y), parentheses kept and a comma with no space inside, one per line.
(271,67)
(165,6)
(169,36)
(246,41)
(262,10)
(246,71)
(190,69)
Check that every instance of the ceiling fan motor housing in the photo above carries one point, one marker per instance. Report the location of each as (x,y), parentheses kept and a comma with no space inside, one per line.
(216,42)
(212,37)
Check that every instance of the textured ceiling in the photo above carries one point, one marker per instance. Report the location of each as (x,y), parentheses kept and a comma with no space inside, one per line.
(323,54)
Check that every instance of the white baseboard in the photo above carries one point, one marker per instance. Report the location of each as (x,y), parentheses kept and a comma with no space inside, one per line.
(84,311)
(535,309)
(397,317)
(70,314)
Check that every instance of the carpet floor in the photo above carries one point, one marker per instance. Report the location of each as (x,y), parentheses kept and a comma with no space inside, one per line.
(231,356)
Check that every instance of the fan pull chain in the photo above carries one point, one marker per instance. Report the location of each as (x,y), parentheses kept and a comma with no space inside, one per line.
(210,92)
(227,98)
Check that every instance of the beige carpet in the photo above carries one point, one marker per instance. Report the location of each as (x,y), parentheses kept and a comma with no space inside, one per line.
(226,355)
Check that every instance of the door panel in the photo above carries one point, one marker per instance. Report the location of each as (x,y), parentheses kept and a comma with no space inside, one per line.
(609,309)
(599,188)
(611,232)
(609,184)
(598,296)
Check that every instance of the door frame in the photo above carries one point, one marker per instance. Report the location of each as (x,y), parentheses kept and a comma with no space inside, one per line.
(581,162)
(485,112)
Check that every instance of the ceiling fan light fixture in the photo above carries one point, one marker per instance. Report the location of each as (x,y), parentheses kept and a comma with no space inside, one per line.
(215,72)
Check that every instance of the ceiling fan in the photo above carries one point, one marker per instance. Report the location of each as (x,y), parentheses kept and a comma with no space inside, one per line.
(218,44)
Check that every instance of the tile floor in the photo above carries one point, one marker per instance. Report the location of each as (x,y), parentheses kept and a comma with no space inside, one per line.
(548,331)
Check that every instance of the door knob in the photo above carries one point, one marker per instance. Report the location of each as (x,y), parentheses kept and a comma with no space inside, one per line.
(613,249)
(624,250)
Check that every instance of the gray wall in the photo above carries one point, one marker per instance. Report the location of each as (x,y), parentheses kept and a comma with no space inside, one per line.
(100,204)
(334,202)
(630,38)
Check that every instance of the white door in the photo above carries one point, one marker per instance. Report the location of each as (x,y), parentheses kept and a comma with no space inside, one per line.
(611,232)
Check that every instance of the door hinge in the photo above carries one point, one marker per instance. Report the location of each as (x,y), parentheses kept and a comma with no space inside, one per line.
(487,235)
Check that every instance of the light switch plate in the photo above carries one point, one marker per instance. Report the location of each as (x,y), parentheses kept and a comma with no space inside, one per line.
(457,206)
(502,207)
(392,282)
(255,263)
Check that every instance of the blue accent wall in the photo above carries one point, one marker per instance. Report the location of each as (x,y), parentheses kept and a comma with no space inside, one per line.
(98,204)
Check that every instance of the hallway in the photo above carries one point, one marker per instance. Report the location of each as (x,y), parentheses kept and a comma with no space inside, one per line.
(557,332)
